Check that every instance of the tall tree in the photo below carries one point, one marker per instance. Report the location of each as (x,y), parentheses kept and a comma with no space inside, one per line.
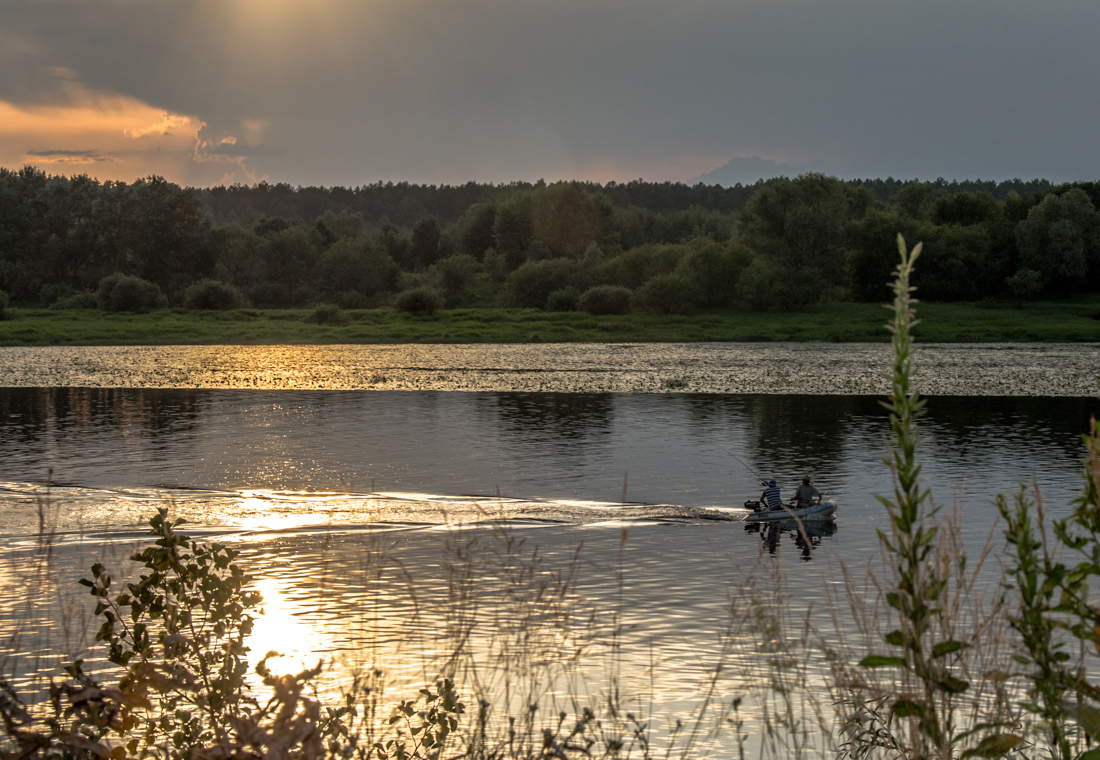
(1060,239)
(424,248)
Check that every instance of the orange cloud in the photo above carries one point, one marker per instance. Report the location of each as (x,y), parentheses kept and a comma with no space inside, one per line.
(116,137)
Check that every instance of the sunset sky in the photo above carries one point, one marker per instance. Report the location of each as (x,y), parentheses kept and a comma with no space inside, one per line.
(348,92)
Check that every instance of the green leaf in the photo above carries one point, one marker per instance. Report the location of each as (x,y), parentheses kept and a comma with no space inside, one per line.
(1092,754)
(952,685)
(946,647)
(897,638)
(907,708)
(993,746)
(879,661)
(893,600)
(1088,717)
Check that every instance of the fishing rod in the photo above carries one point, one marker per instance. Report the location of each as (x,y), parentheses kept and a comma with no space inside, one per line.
(746,465)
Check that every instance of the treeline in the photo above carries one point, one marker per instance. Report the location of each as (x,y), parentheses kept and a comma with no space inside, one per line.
(405,204)
(664,247)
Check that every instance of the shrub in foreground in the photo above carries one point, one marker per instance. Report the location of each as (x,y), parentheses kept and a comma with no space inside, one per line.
(605,299)
(121,292)
(213,294)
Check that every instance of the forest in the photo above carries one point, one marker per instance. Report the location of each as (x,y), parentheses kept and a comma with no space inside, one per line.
(665,248)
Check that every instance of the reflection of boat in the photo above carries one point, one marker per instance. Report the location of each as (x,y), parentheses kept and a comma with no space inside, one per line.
(813,512)
(807,535)
(812,528)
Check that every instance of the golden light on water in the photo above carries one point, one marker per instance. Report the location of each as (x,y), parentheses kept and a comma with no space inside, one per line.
(280,630)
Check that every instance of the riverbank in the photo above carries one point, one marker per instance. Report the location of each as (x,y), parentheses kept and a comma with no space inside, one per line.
(1075,320)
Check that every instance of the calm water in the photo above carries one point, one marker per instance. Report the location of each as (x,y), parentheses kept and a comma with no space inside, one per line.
(357,508)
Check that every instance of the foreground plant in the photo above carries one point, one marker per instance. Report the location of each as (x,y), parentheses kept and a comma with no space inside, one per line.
(929,579)
(177,636)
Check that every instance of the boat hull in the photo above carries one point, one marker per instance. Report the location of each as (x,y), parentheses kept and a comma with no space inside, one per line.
(820,511)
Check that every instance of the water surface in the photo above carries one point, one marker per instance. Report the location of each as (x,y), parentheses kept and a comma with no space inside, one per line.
(362,511)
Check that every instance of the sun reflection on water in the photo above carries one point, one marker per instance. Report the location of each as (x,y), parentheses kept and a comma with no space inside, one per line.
(279,629)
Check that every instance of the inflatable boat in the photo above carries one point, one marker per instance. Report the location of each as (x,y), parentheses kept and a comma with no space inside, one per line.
(812,512)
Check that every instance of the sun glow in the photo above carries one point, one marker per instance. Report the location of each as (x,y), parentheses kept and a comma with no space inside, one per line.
(281,630)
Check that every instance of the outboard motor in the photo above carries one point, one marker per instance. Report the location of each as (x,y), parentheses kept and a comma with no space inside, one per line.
(754,505)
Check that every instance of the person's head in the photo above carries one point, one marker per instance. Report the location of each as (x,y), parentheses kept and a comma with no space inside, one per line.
(771,483)
(805,480)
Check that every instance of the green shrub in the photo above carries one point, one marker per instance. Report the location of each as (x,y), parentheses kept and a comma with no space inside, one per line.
(605,299)
(276,295)
(356,264)
(759,287)
(495,265)
(51,292)
(213,294)
(563,300)
(328,314)
(83,300)
(715,269)
(531,285)
(121,292)
(1024,285)
(352,299)
(669,294)
(419,301)
(453,276)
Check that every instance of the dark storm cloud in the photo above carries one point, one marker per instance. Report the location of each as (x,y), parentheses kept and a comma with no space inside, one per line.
(347,92)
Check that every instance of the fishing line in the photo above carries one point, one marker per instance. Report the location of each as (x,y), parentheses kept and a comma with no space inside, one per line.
(745,465)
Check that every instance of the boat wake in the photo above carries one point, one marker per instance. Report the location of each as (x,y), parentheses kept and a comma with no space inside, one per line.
(68,511)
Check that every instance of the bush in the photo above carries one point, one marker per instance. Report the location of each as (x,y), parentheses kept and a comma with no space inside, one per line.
(276,295)
(1024,285)
(83,300)
(715,269)
(355,264)
(669,294)
(495,265)
(531,285)
(120,292)
(352,299)
(453,276)
(51,292)
(4,302)
(563,300)
(419,301)
(213,294)
(328,314)
(759,287)
(605,299)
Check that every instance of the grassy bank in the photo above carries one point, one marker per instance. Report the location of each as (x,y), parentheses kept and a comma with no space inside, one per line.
(1074,320)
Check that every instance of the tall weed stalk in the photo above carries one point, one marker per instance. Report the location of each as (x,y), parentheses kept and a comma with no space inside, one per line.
(927,585)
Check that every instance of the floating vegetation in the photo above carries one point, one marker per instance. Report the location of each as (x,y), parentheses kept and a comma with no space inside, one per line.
(992,369)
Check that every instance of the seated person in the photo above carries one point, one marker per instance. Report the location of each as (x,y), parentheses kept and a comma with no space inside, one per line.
(806,494)
(771,499)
